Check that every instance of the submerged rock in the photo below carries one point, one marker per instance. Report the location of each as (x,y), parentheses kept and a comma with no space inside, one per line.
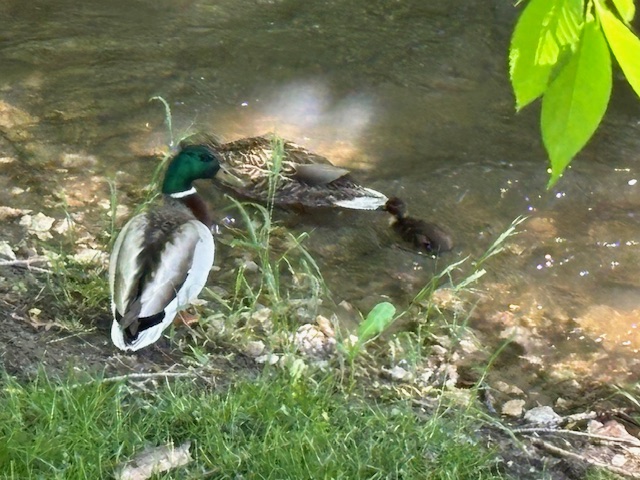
(12,117)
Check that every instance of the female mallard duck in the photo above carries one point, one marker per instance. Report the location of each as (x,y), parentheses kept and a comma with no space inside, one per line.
(423,235)
(161,258)
(305,179)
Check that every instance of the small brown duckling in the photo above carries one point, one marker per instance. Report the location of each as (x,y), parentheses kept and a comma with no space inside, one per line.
(423,235)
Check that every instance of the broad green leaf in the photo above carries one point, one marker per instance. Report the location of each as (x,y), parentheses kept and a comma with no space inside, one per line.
(529,79)
(576,100)
(565,24)
(626,9)
(624,45)
(379,318)
(543,30)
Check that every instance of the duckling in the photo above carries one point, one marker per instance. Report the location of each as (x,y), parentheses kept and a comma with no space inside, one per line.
(305,179)
(423,235)
(161,259)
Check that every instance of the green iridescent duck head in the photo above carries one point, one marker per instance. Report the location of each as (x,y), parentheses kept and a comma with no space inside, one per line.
(191,163)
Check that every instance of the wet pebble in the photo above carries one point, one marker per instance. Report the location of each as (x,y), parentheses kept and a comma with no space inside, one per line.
(311,341)
(468,346)
(563,404)
(425,377)
(7,251)
(439,350)
(543,228)
(399,374)
(449,375)
(504,387)
(247,265)
(9,213)
(254,348)
(262,317)
(613,429)
(325,325)
(12,117)
(513,408)
(270,359)
(91,256)
(618,460)
(38,225)
(77,160)
(542,416)
(63,226)
(523,337)
(447,298)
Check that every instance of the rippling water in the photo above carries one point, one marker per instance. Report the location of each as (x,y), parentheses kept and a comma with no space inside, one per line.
(412,95)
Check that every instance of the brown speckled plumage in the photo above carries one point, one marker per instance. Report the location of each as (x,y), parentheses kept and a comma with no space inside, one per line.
(304,179)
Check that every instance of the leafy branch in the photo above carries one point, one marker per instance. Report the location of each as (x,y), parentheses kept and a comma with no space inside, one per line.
(561,51)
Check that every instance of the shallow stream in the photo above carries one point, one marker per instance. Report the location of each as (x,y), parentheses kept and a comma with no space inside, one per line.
(411,95)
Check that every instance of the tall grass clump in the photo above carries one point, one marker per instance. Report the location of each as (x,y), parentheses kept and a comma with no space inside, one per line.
(284,264)
(267,427)
(457,277)
(76,293)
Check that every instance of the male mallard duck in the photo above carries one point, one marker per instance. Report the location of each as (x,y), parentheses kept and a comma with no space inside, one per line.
(423,235)
(161,258)
(305,179)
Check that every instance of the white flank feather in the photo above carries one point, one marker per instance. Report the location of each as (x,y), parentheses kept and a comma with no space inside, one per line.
(373,201)
(126,252)
(193,247)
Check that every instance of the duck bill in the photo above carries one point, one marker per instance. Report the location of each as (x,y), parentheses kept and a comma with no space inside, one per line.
(227,177)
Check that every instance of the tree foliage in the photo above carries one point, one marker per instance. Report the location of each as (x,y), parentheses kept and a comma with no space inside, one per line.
(561,51)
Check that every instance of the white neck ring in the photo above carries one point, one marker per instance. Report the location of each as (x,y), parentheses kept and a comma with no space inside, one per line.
(186,193)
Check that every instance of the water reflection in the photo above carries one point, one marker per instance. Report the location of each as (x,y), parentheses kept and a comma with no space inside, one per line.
(307,110)
(412,94)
